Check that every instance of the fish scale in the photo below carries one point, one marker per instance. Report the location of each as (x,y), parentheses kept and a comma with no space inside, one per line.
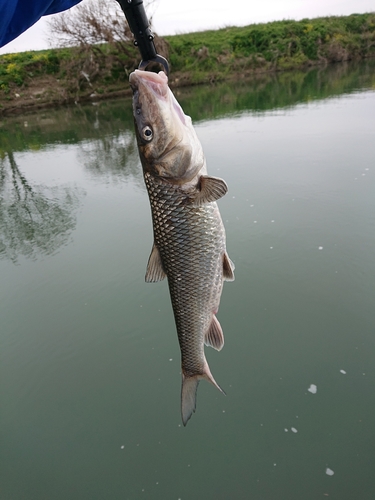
(189,237)
(190,240)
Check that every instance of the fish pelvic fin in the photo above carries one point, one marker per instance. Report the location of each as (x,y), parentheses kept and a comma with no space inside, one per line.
(155,271)
(214,336)
(228,268)
(189,391)
(210,189)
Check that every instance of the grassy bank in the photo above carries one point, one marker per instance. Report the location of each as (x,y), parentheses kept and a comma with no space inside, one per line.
(58,76)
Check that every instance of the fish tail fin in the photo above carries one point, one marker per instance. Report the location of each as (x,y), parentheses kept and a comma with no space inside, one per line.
(188,396)
(189,391)
(207,375)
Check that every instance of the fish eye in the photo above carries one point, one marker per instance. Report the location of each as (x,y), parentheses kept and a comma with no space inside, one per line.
(147,133)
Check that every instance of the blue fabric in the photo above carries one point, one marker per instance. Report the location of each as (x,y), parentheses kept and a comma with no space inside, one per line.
(16,16)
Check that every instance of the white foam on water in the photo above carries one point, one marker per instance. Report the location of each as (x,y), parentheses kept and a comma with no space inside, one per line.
(329,471)
(293,429)
(320,248)
(343,372)
(313,389)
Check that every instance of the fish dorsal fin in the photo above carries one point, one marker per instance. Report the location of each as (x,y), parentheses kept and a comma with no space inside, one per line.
(210,189)
(214,336)
(228,268)
(155,271)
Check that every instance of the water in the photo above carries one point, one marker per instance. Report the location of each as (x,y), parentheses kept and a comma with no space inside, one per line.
(90,376)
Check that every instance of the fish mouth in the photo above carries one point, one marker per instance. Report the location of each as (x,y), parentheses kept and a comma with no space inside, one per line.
(156,82)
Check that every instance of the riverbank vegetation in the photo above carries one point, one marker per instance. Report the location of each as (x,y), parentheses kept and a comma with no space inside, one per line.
(61,76)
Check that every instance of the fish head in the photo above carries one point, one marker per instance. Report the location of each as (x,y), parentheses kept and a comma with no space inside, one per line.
(168,145)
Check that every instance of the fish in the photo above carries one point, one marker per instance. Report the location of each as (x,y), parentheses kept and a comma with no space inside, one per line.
(189,247)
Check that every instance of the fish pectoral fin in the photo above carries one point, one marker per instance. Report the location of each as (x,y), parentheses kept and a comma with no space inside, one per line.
(210,189)
(155,271)
(228,268)
(214,336)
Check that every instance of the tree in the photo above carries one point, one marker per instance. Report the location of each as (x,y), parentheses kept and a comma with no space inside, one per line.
(103,40)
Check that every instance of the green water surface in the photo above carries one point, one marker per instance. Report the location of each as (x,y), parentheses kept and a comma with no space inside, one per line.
(90,375)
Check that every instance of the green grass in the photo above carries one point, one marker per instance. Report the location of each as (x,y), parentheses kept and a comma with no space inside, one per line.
(18,68)
(278,45)
(197,57)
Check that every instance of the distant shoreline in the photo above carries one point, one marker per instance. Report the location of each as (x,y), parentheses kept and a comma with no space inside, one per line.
(42,79)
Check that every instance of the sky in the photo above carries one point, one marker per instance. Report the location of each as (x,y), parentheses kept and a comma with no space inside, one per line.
(178,16)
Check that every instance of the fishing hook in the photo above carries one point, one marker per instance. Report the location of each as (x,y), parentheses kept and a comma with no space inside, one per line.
(144,39)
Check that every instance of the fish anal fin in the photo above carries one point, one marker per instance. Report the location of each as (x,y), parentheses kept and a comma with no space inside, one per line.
(228,268)
(214,336)
(210,189)
(155,271)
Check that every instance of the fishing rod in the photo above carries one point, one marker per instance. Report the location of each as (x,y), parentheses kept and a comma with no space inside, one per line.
(143,37)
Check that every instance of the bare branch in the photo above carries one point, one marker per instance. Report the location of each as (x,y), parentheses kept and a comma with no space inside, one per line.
(92,22)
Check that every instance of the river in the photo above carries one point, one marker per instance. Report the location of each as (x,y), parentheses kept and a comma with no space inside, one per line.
(90,363)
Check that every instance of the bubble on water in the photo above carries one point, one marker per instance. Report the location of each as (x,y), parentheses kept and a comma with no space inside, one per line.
(271,248)
(320,248)
(343,372)
(286,430)
(122,447)
(313,388)
(329,471)
(293,429)
(272,221)
(170,359)
(255,221)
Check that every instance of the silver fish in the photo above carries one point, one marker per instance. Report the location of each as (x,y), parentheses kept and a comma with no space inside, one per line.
(189,236)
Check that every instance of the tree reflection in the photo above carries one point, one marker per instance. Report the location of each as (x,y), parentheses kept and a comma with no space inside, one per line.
(113,156)
(33,219)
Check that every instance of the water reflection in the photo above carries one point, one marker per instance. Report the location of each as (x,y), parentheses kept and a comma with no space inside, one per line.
(33,218)
(266,92)
(112,157)
(89,353)
(111,119)
(36,219)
